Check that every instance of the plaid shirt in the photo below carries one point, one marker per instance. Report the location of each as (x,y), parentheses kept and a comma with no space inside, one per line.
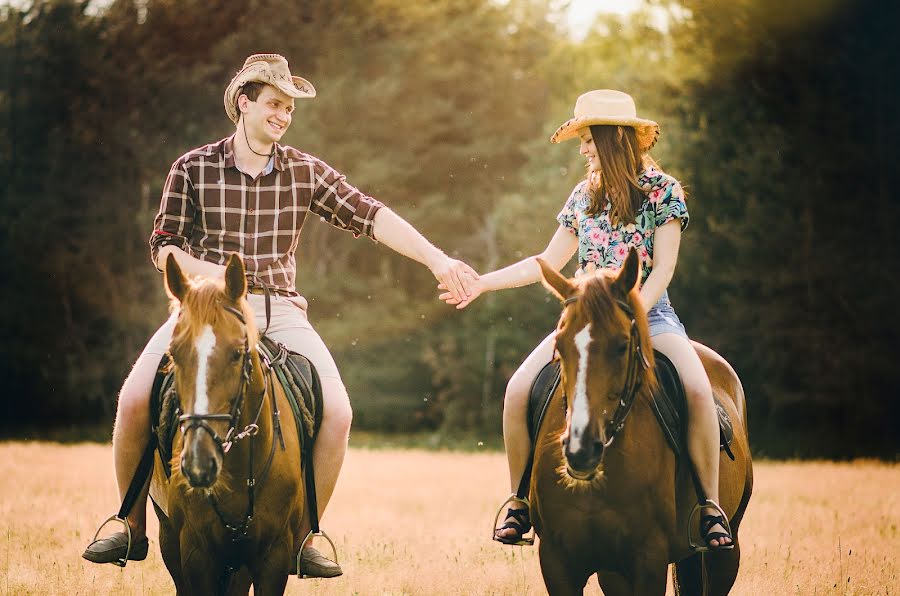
(210,209)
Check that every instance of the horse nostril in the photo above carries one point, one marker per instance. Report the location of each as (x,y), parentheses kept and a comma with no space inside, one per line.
(597,448)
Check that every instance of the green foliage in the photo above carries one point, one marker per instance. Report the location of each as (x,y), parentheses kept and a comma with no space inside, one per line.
(781,124)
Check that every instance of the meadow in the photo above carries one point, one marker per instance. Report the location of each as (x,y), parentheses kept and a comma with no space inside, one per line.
(410,521)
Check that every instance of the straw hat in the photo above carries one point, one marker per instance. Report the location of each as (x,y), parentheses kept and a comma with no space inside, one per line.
(605,106)
(271,69)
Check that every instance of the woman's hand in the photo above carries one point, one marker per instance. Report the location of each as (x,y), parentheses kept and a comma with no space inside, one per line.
(476,289)
(456,277)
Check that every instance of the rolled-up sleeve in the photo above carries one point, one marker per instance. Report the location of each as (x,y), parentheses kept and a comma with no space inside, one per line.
(175,220)
(341,204)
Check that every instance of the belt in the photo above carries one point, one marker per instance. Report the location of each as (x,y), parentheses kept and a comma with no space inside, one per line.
(277,291)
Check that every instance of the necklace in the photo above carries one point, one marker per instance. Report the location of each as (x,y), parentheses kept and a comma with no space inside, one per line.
(247,140)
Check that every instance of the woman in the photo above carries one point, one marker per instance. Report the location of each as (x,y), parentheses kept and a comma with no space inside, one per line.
(625,203)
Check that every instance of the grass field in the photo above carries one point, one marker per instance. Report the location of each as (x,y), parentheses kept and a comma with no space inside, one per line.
(418,522)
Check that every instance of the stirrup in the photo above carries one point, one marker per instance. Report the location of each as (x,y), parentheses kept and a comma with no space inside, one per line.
(124,521)
(525,540)
(704,548)
(309,537)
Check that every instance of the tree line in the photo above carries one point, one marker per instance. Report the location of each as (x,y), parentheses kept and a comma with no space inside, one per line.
(780,124)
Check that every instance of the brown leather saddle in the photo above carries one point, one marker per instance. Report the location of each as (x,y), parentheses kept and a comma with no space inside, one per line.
(668,404)
(294,371)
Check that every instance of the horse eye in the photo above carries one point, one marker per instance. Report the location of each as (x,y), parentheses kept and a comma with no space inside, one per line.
(236,355)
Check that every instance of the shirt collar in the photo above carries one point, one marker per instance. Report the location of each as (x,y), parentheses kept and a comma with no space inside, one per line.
(228,149)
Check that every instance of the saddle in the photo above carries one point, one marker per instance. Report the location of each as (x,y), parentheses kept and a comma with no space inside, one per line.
(295,373)
(668,404)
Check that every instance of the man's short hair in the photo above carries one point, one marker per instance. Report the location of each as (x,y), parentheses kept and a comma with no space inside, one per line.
(251,90)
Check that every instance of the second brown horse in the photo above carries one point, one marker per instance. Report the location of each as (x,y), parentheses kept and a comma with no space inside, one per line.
(623,511)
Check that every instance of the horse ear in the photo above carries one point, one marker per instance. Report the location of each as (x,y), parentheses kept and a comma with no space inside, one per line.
(176,283)
(235,278)
(555,282)
(629,274)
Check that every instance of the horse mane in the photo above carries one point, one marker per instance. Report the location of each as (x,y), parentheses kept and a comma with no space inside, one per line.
(597,297)
(203,302)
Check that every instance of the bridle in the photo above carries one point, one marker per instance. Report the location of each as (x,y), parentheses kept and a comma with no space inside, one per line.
(239,531)
(201,421)
(637,363)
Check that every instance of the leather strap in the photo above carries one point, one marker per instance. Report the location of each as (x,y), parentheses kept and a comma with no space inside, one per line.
(139,479)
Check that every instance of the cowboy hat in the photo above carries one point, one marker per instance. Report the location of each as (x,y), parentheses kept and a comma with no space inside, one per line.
(271,69)
(605,106)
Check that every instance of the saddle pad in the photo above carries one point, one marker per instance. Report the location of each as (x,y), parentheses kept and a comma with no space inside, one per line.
(300,380)
(539,396)
(668,405)
(294,372)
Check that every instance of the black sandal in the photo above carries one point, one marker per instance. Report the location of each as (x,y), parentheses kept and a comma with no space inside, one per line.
(706,523)
(521,523)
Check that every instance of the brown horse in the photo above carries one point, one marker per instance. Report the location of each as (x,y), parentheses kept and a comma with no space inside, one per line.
(230,513)
(621,508)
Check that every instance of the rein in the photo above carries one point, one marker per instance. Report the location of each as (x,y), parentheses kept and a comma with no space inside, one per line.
(637,363)
(200,421)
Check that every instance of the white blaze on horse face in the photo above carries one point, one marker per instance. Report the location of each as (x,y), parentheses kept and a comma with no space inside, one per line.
(206,342)
(580,407)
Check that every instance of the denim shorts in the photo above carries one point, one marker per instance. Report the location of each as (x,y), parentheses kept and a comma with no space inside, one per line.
(662,318)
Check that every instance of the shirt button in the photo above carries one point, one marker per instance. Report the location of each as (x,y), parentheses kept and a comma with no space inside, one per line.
(250,211)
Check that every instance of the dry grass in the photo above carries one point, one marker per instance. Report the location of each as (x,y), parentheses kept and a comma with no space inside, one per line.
(415,522)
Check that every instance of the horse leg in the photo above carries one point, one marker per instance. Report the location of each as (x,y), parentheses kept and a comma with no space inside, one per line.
(201,572)
(650,578)
(613,584)
(240,583)
(169,548)
(687,576)
(719,575)
(559,578)
(270,573)
(722,569)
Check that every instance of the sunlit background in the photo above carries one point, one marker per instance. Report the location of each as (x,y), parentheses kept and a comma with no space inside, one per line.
(779,119)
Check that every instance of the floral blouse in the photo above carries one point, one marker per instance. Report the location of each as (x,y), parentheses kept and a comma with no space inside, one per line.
(605,245)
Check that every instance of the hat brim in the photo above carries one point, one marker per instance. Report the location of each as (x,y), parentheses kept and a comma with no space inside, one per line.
(647,131)
(258,73)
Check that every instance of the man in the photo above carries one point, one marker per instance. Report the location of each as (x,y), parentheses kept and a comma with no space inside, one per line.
(248,194)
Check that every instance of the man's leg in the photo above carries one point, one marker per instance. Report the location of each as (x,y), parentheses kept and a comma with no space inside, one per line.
(130,435)
(331,444)
(290,326)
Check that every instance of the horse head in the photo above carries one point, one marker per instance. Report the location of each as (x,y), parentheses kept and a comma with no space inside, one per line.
(603,346)
(212,350)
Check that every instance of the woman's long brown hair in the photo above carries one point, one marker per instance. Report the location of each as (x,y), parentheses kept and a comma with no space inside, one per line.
(621,163)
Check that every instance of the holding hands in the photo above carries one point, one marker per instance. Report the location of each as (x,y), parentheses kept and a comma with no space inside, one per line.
(457,278)
(475,287)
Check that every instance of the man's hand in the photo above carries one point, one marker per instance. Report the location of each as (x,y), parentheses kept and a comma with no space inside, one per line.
(476,289)
(454,276)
